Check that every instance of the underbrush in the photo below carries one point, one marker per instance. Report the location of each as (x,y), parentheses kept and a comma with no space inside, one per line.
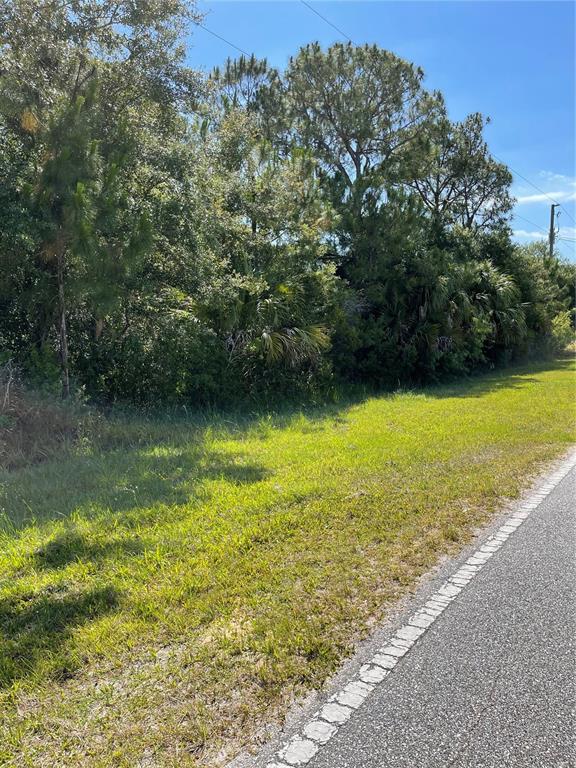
(34,426)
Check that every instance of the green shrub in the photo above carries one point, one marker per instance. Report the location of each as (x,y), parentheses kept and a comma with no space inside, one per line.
(562,330)
(33,425)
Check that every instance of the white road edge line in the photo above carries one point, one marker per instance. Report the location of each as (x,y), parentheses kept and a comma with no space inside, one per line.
(324,724)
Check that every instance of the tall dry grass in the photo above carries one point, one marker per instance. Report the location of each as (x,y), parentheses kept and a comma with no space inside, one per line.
(33,426)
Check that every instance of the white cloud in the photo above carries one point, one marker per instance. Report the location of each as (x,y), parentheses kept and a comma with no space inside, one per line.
(534,234)
(557,178)
(546,197)
(554,187)
(531,235)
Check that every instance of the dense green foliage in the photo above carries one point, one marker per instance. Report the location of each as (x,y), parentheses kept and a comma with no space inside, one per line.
(168,236)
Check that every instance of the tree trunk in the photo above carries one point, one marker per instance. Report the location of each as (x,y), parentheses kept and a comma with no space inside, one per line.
(62,329)
(98,328)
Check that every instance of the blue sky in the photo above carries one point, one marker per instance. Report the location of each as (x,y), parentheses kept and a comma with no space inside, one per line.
(513,61)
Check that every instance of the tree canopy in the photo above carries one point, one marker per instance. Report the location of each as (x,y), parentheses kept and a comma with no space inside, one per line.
(170,236)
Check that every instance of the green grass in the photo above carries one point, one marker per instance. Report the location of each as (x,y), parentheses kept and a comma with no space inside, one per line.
(167,588)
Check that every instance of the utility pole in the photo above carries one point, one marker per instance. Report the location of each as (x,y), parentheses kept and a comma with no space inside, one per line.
(552,232)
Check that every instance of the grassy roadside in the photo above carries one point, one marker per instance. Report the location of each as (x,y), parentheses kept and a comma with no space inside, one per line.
(166,592)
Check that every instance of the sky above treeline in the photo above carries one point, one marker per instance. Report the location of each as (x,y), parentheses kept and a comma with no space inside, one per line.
(513,61)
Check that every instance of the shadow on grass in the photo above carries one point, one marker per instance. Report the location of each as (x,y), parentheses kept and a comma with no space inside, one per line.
(163,460)
(498,379)
(35,630)
(144,467)
(121,480)
(70,547)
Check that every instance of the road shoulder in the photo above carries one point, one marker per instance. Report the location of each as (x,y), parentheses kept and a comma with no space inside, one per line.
(312,723)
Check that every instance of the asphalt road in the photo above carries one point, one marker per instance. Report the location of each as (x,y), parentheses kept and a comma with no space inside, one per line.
(492,684)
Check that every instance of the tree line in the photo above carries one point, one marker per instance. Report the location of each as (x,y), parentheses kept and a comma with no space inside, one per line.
(167,235)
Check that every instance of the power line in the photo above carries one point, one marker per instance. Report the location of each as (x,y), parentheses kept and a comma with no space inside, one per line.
(567,240)
(326,20)
(215,34)
(517,216)
(567,213)
(534,185)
